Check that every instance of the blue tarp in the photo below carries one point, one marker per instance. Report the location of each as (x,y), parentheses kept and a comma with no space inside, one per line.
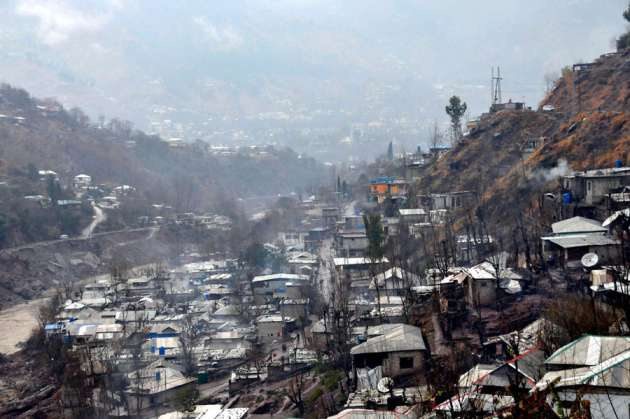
(53,326)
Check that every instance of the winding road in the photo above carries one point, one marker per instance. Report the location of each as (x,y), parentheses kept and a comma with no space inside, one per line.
(99,217)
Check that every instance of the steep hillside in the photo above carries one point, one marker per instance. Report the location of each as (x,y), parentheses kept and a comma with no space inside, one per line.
(604,85)
(493,160)
(41,135)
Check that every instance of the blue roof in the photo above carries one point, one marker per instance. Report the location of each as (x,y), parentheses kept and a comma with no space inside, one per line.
(383,179)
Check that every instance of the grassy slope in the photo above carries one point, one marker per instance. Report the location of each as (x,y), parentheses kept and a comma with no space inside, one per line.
(490,162)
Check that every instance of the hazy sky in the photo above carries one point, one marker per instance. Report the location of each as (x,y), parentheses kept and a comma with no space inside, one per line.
(123,57)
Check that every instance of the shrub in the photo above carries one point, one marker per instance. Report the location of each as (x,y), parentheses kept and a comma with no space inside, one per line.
(332,378)
(314,396)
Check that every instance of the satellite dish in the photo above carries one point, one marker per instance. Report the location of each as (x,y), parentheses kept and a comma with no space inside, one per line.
(385,384)
(589,260)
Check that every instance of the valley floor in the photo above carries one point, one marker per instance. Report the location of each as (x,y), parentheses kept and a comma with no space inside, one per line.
(17,323)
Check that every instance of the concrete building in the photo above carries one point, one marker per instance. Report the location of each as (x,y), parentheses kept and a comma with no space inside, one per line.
(384,187)
(154,385)
(296,308)
(448,200)
(268,287)
(81,182)
(482,283)
(592,186)
(573,238)
(394,282)
(273,327)
(351,244)
(400,351)
(413,215)
(358,268)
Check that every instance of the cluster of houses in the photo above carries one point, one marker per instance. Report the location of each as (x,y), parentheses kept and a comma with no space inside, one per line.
(210,324)
(168,331)
(81,185)
(160,214)
(390,351)
(389,369)
(591,370)
(259,152)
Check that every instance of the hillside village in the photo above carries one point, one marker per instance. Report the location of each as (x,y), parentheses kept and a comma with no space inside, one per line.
(489,277)
(323,322)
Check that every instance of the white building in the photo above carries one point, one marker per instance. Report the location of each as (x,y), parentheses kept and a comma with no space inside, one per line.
(82,182)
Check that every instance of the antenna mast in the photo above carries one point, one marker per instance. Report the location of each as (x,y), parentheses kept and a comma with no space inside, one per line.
(496,86)
(492,85)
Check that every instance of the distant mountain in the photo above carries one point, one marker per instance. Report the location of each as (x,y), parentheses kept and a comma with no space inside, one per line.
(243,70)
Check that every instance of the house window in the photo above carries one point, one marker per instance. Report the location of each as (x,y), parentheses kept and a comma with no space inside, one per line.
(406,363)
(588,186)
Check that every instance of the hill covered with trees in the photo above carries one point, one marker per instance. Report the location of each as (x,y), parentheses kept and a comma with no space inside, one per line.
(40,135)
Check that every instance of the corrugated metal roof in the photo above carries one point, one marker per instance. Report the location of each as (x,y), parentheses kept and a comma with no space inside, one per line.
(274,318)
(230,310)
(412,211)
(473,375)
(612,373)
(577,225)
(109,328)
(356,261)
(605,172)
(487,270)
(87,330)
(397,273)
(281,276)
(589,350)
(581,240)
(401,338)
(373,331)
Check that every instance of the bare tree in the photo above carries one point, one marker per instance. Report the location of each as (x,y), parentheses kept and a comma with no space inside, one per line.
(375,252)
(550,81)
(257,358)
(188,340)
(340,322)
(295,392)
(436,136)
(119,269)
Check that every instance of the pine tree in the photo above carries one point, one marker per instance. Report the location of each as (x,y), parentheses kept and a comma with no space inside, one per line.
(455,110)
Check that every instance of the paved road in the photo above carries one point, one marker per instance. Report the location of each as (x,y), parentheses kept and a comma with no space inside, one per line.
(326,264)
(326,255)
(150,230)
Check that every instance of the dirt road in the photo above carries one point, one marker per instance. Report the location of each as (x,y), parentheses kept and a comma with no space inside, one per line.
(17,323)
(99,217)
